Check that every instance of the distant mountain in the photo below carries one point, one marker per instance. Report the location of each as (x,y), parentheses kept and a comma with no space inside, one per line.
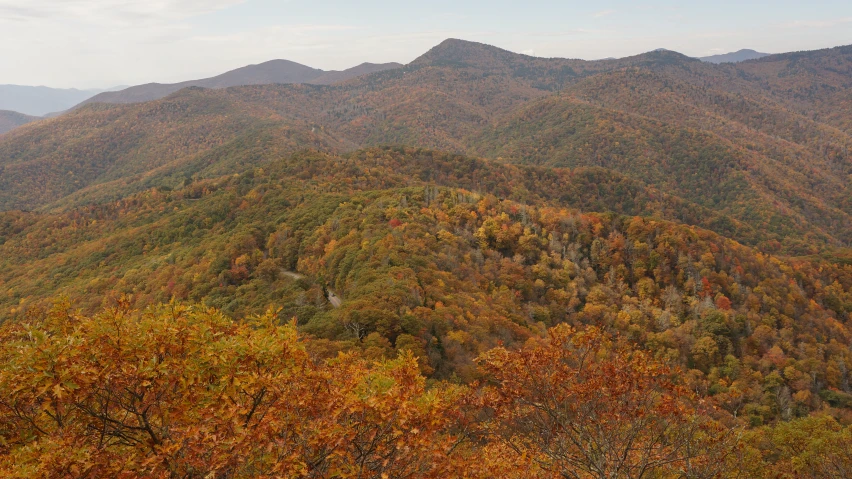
(734,57)
(669,121)
(10,120)
(271,72)
(40,100)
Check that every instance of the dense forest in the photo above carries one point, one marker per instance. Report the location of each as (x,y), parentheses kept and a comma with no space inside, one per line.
(635,268)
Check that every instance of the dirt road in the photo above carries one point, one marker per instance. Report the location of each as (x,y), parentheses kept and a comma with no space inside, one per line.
(332,297)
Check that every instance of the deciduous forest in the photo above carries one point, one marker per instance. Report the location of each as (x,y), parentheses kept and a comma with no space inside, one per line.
(479,265)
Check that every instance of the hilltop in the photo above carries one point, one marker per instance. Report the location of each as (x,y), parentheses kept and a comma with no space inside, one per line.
(447,255)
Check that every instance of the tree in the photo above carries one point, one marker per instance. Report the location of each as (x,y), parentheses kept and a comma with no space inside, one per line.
(812,447)
(185,392)
(587,407)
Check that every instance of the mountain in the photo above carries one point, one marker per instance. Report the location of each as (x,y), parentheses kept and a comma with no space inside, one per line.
(10,120)
(725,158)
(39,100)
(711,135)
(271,72)
(813,83)
(734,57)
(678,143)
(460,253)
(428,103)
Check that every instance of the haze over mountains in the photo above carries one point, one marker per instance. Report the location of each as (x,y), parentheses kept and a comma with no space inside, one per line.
(40,100)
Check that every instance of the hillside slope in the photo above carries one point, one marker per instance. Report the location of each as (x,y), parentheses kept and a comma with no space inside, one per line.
(818,84)
(9,120)
(747,156)
(447,272)
(711,135)
(478,242)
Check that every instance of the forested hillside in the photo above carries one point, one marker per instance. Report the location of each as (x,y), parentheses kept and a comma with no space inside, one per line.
(9,120)
(481,264)
(709,134)
(449,272)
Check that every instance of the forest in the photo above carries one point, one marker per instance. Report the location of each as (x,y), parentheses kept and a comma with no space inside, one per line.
(481,264)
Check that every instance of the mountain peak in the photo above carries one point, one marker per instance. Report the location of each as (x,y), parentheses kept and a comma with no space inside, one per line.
(465,53)
(735,57)
(659,57)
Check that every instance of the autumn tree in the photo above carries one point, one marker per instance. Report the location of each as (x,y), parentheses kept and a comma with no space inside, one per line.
(185,392)
(812,447)
(584,406)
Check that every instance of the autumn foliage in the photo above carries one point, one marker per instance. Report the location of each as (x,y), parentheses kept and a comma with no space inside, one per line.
(580,405)
(183,391)
(186,392)
(650,278)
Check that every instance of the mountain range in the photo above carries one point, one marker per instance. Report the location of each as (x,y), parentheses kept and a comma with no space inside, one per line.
(471,200)
(43,101)
(50,102)
(669,117)
(275,71)
(735,57)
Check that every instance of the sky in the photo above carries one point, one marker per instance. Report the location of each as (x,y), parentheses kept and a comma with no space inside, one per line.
(104,43)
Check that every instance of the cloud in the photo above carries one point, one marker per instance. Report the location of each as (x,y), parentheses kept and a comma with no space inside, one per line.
(603,13)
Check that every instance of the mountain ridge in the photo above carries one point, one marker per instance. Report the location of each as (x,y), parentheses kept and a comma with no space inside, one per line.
(270,72)
(735,57)
(715,133)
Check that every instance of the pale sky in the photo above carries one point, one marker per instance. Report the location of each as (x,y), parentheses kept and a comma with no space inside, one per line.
(102,43)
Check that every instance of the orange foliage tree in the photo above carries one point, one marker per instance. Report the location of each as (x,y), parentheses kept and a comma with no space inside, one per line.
(582,406)
(183,392)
